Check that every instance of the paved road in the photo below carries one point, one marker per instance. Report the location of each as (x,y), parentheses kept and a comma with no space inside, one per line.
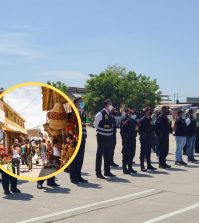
(166,196)
(36,170)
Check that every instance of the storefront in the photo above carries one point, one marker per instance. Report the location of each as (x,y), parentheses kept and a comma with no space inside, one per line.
(59,126)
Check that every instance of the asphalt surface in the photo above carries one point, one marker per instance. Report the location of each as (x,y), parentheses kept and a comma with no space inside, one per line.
(166,196)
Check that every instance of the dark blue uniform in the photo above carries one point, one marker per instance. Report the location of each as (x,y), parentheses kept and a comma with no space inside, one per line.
(76,165)
(146,131)
(163,129)
(113,140)
(128,134)
(8,182)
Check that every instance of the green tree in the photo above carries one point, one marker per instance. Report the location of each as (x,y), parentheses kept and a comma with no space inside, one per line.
(123,88)
(61,86)
(105,85)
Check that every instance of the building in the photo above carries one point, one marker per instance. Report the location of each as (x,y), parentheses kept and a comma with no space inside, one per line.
(35,134)
(74,92)
(12,125)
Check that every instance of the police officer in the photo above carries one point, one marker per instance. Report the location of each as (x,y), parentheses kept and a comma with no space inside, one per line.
(50,181)
(113,164)
(146,131)
(9,183)
(163,128)
(128,134)
(104,127)
(191,135)
(197,134)
(76,165)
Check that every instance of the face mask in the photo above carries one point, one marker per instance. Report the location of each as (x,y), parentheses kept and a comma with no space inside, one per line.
(133,116)
(110,107)
(123,115)
(183,116)
(81,105)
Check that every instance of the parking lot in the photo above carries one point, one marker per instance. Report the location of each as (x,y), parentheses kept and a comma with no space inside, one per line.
(161,196)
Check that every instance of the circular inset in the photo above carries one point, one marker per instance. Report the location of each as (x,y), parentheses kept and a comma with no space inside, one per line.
(24,153)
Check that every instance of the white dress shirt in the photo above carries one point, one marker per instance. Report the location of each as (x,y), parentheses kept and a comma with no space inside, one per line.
(188,121)
(98,118)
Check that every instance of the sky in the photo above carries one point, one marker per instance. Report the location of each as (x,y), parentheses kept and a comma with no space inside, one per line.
(67,40)
(27,101)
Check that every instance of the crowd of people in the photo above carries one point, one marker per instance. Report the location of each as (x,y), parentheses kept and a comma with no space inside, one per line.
(27,152)
(153,130)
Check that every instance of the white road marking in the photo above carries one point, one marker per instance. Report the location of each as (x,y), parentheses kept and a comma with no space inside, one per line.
(160,218)
(86,206)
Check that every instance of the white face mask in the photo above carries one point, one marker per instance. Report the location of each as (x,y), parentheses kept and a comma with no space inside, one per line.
(123,115)
(183,116)
(110,107)
(133,116)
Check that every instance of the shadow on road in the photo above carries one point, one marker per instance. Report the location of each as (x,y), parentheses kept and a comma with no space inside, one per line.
(58,190)
(90,185)
(19,182)
(118,180)
(117,168)
(192,166)
(142,175)
(85,174)
(158,172)
(19,197)
(176,169)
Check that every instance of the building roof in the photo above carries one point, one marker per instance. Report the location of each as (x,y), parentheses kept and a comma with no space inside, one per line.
(10,108)
(174,105)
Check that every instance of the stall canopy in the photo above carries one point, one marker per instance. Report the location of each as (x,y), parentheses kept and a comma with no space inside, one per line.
(50,97)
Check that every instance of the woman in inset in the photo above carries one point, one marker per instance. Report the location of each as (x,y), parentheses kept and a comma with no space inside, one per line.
(29,155)
(16,156)
(43,151)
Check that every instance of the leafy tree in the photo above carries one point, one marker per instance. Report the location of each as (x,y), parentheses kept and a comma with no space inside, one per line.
(123,88)
(105,85)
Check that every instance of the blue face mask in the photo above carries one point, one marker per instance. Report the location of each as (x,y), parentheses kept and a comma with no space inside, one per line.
(81,105)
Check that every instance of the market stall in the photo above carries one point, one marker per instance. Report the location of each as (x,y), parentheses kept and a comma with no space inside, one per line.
(61,126)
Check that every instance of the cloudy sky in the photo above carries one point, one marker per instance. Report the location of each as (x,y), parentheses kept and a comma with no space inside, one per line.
(27,101)
(66,40)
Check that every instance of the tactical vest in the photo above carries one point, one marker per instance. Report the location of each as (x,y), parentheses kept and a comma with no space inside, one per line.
(83,119)
(105,127)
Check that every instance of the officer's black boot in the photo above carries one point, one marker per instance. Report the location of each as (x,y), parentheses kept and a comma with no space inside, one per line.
(143,169)
(130,169)
(125,171)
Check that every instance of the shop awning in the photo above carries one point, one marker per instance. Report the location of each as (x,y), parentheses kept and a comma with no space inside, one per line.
(11,128)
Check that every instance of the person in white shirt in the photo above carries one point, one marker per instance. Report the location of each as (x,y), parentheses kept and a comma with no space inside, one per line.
(104,126)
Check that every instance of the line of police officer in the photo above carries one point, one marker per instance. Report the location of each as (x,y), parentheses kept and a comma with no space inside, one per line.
(105,124)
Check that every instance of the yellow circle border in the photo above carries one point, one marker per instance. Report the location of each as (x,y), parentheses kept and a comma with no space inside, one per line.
(40,84)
